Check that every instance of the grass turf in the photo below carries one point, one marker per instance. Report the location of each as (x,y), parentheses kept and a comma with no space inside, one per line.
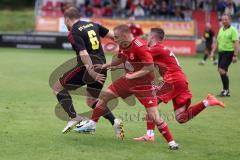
(30,129)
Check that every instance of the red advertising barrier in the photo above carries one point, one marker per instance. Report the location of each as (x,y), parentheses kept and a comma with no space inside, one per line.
(171,28)
(181,47)
(178,47)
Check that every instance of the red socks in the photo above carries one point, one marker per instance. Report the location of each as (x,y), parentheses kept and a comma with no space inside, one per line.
(164,130)
(150,123)
(98,111)
(190,113)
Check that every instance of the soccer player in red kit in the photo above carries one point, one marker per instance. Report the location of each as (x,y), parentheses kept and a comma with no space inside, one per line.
(172,73)
(138,64)
(135,29)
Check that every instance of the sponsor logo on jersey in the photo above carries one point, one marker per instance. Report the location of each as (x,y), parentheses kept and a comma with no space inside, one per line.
(129,66)
(131,56)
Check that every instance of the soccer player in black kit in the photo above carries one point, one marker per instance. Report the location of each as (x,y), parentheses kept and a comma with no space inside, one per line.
(85,40)
(209,38)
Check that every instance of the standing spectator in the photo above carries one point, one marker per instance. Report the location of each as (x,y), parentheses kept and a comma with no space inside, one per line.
(227,44)
(88,11)
(97,3)
(138,11)
(209,38)
(129,7)
(107,10)
(164,11)
(230,8)
(135,29)
(221,6)
(178,14)
(116,8)
(154,8)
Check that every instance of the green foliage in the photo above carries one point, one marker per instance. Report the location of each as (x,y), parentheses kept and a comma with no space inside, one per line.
(17,20)
(16,4)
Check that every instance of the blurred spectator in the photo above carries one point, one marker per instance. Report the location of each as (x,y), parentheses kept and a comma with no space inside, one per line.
(88,11)
(230,8)
(154,8)
(107,10)
(164,11)
(174,9)
(178,14)
(116,8)
(138,11)
(206,5)
(129,7)
(221,6)
(97,3)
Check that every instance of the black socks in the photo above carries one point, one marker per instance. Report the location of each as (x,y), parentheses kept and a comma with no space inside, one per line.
(66,101)
(225,81)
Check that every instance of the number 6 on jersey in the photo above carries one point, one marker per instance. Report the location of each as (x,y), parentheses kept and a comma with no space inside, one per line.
(93,39)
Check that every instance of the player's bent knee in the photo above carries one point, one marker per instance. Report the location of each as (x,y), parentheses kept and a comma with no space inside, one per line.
(182,118)
(181,121)
(57,87)
(107,95)
(90,101)
(221,71)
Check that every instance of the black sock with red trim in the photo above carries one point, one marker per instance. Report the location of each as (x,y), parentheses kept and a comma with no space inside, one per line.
(65,100)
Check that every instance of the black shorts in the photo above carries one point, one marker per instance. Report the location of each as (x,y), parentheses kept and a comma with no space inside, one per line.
(208,47)
(78,77)
(225,59)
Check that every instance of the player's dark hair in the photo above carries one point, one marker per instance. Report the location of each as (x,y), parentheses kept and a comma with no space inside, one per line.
(72,13)
(159,32)
(122,28)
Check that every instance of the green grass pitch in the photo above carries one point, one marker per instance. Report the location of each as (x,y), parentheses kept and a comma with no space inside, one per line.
(29,128)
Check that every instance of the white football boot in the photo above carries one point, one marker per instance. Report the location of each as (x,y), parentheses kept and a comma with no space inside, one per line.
(118,127)
(71,123)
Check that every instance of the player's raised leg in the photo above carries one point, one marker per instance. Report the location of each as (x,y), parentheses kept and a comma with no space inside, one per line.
(185,113)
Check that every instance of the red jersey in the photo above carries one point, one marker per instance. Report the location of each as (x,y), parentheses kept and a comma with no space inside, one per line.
(136,30)
(136,57)
(168,64)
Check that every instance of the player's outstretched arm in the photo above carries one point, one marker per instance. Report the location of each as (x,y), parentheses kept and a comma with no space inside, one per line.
(112,65)
(89,66)
(142,72)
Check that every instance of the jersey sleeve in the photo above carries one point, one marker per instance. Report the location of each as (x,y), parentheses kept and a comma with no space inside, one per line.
(144,55)
(78,43)
(142,51)
(140,31)
(103,31)
(235,35)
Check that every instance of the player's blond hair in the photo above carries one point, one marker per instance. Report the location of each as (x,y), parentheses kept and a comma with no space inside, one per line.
(122,28)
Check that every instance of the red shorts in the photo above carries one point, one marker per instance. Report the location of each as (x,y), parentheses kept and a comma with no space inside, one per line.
(124,88)
(180,95)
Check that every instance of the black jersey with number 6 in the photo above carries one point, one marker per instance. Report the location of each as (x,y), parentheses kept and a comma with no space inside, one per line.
(86,36)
